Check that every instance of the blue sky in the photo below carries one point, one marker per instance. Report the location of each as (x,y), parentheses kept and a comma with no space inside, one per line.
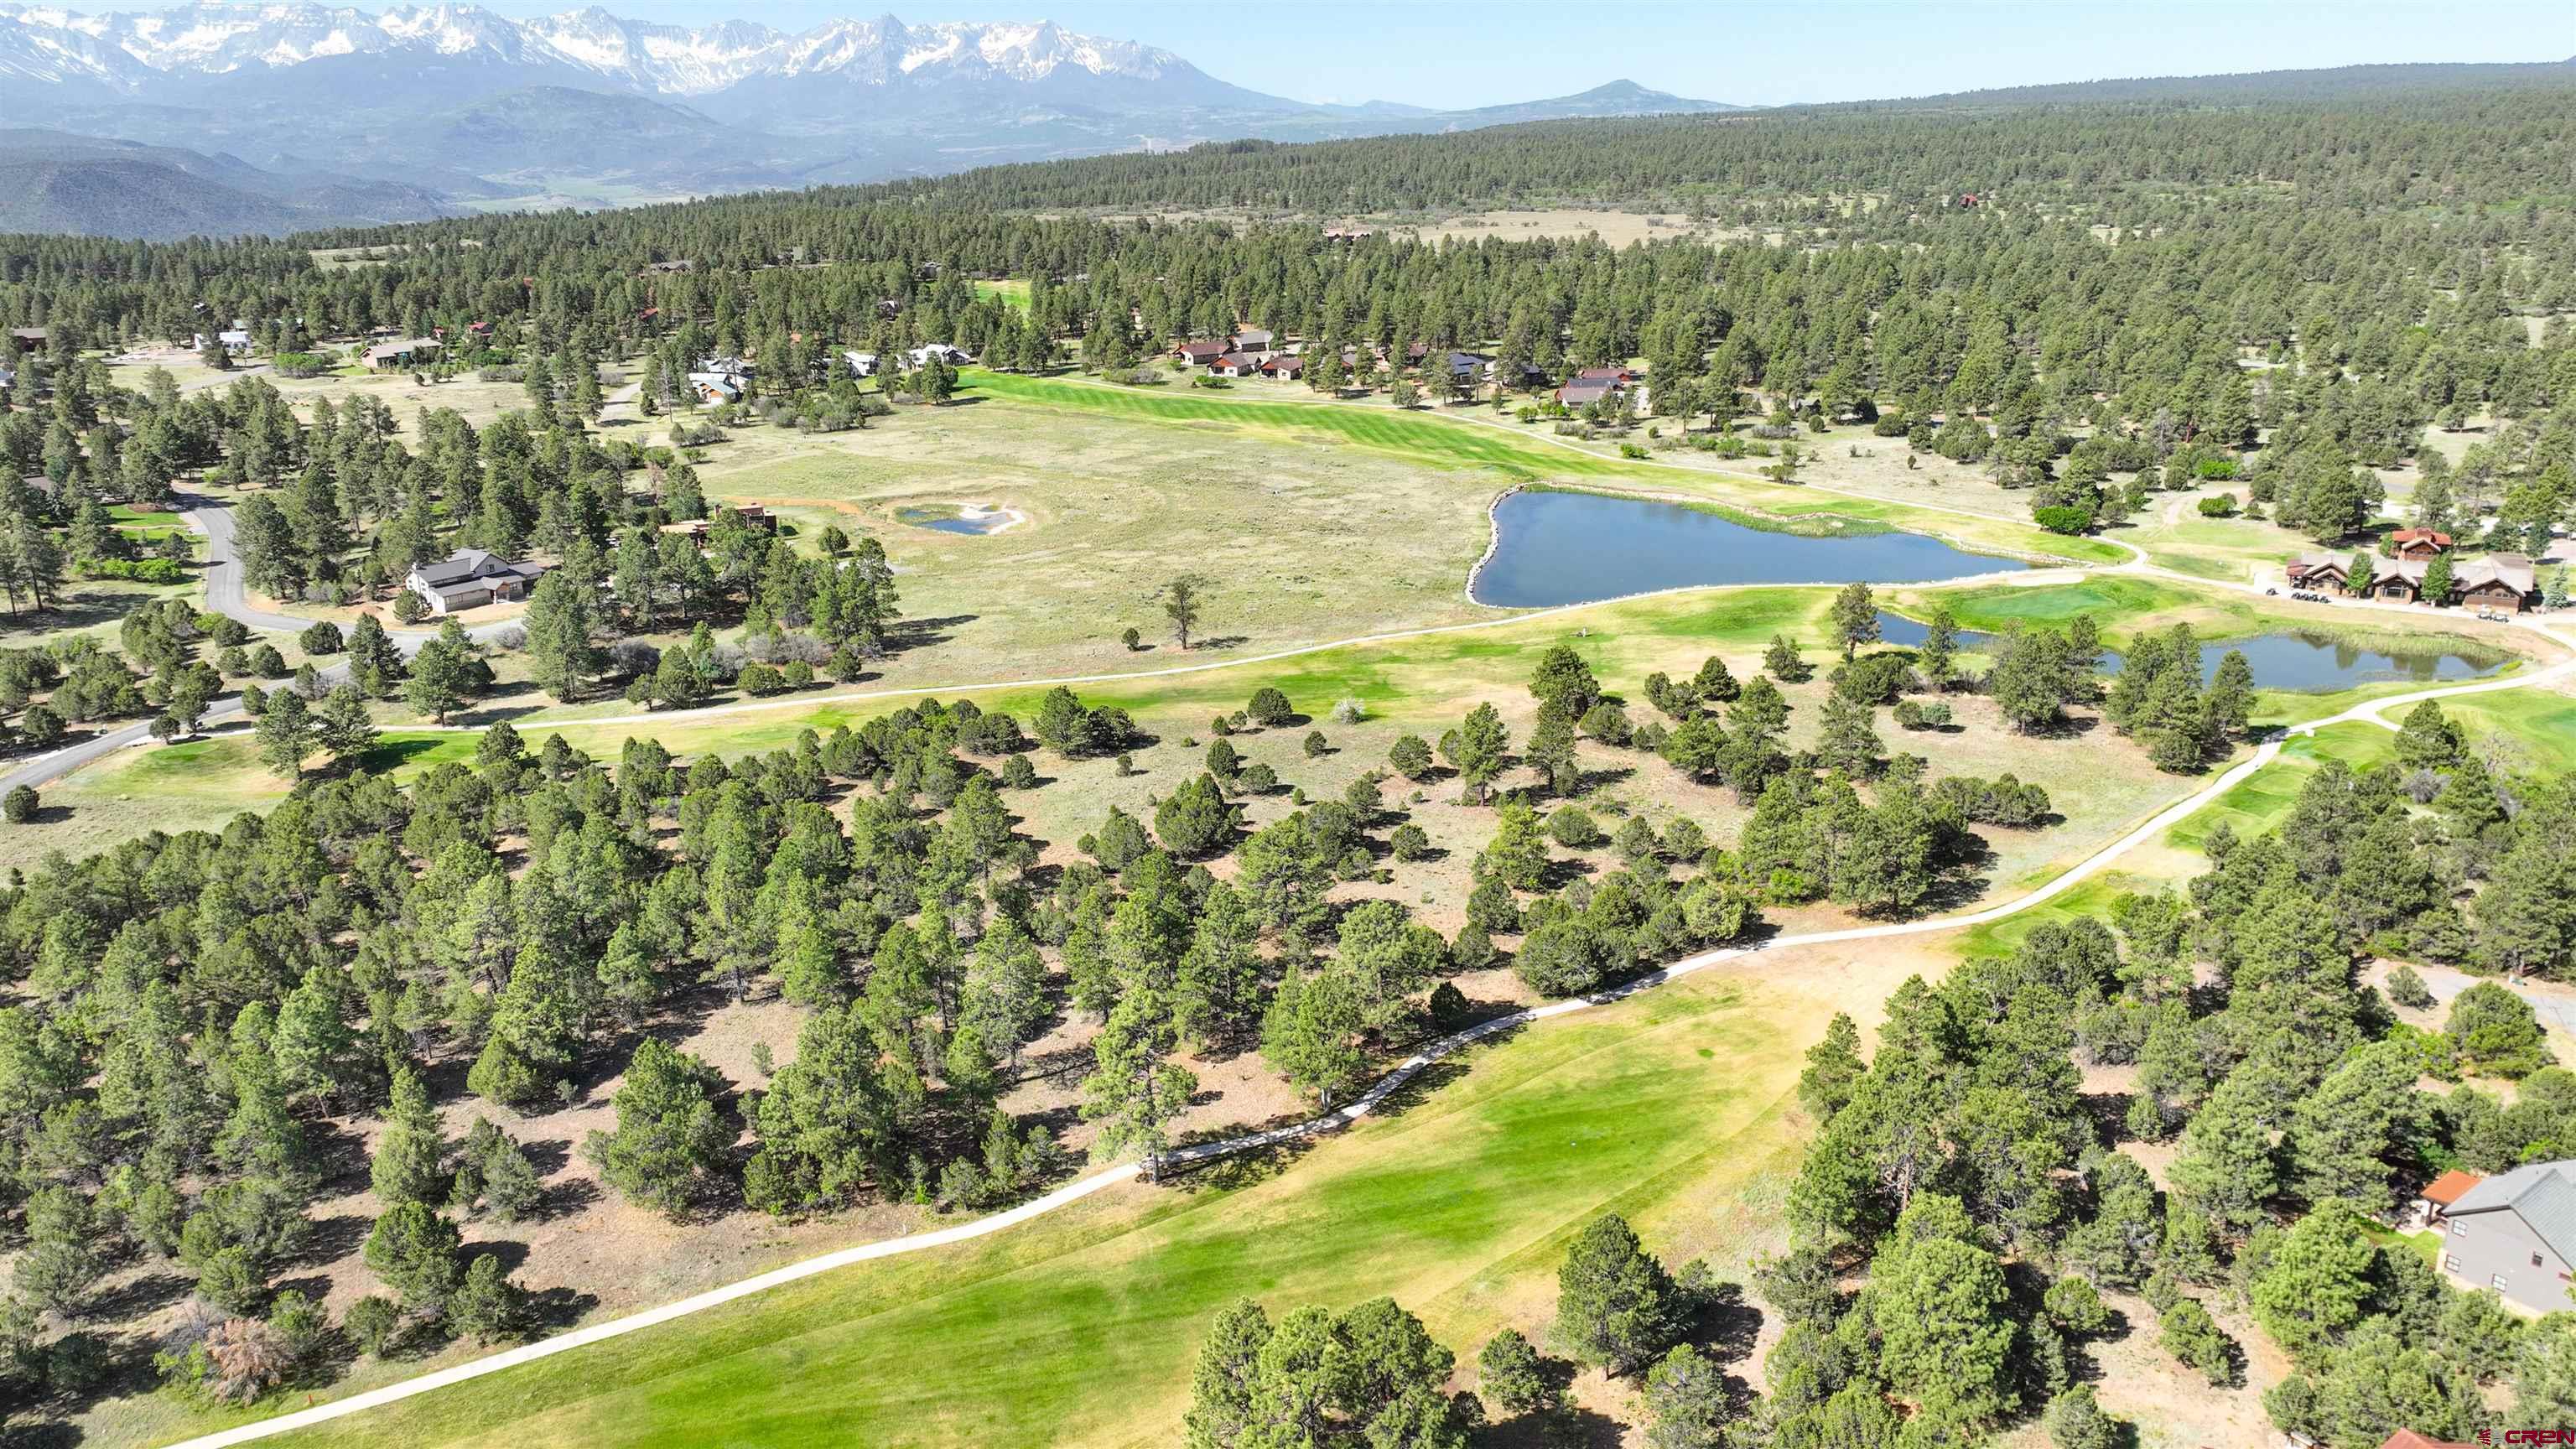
(1452,53)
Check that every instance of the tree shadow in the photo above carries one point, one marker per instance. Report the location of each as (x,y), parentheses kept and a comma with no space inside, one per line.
(1565,1426)
(1247,1168)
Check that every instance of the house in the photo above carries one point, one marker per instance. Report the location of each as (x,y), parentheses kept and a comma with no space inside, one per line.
(1616,376)
(400,354)
(470,578)
(2504,581)
(861,364)
(1251,339)
(671,266)
(921,356)
(716,387)
(726,363)
(2421,543)
(29,338)
(1468,366)
(2432,1206)
(2516,1233)
(1285,366)
(1579,395)
(235,341)
(1235,364)
(1347,233)
(2316,571)
(1200,352)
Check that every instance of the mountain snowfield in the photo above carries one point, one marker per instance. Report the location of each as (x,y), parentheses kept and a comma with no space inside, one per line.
(470,107)
(128,50)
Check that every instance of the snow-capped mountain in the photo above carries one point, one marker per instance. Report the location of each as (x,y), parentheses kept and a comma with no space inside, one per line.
(218,39)
(587,103)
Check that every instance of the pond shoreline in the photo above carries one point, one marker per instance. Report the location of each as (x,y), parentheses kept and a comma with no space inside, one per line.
(1549,553)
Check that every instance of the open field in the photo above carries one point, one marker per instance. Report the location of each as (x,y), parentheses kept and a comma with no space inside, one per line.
(1527,454)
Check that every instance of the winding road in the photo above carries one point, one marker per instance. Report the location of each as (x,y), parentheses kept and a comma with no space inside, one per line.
(225,594)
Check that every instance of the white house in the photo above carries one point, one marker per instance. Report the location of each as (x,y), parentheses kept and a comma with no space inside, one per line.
(235,340)
(862,364)
(470,578)
(921,356)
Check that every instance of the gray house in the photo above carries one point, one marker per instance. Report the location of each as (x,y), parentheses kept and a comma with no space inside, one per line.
(2516,1233)
(470,578)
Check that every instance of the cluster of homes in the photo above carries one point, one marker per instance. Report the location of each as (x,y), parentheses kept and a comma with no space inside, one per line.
(1251,352)
(2502,581)
(1258,352)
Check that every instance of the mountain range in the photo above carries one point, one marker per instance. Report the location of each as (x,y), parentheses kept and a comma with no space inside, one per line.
(587,107)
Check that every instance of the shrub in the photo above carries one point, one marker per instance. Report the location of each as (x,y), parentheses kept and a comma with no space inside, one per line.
(2408,989)
(1348,711)
(1917,715)
(1448,1004)
(1632,450)
(373,1323)
(2075,1421)
(1316,745)
(2196,1341)
(1510,1374)
(1409,842)
(322,637)
(2063,518)
(1269,707)
(19,805)
(759,679)
(795,674)
(2495,1032)
(139,570)
(2222,505)
(1132,638)
(1574,828)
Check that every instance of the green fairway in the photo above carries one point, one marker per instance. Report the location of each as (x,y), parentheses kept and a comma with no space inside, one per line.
(1081,1328)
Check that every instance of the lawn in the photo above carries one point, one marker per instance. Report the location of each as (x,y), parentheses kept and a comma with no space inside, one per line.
(1080,1328)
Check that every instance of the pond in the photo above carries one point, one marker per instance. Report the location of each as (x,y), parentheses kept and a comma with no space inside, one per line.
(957,518)
(1574,548)
(2290,660)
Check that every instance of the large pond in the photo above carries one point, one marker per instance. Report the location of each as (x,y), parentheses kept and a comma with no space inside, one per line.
(2289,660)
(1574,548)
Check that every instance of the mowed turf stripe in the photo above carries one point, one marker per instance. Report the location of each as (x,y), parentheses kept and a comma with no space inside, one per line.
(1087,1336)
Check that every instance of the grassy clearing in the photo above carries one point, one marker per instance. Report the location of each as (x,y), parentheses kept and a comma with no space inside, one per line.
(1080,1328)
(1526,456)
(1014,292)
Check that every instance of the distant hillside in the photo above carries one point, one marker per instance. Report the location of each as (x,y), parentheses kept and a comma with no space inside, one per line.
(89,186)
(2256,87)
(1618,98)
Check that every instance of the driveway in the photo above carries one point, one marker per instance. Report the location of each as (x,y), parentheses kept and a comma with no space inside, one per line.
(226,595)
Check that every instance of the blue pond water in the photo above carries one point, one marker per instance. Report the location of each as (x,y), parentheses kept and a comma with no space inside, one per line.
(947,521)
(2288,660)
(1573,548)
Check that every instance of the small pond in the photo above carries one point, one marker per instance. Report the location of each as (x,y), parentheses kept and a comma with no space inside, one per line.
(950,518)
(1574,548)
(2288,660)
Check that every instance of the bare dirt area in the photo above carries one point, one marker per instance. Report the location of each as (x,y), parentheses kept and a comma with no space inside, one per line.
(1615,228)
